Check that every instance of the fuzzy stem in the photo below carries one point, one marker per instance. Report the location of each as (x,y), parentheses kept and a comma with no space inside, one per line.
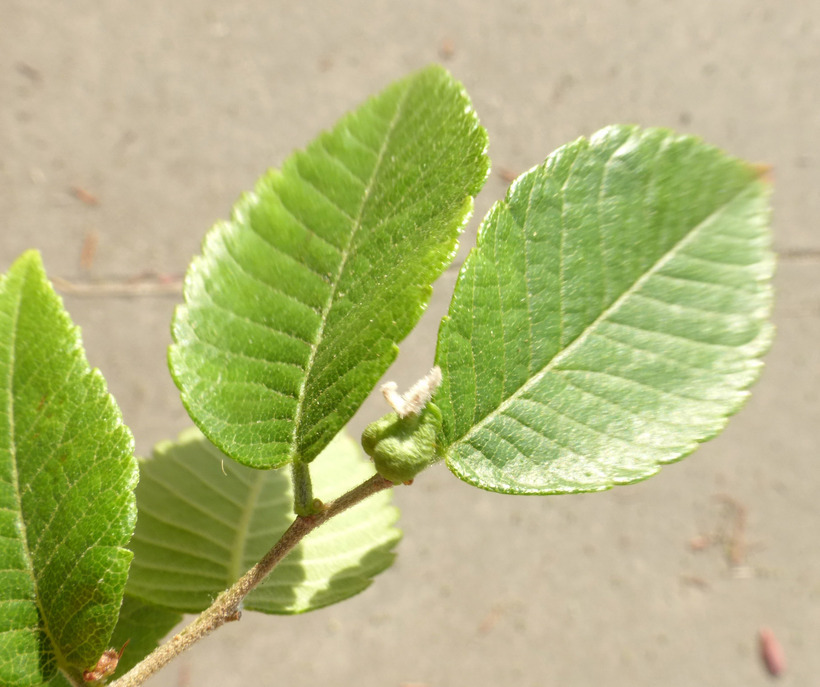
(226,607)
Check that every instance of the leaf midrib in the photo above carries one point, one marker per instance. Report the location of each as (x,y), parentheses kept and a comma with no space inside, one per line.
(345,254)
(589,330)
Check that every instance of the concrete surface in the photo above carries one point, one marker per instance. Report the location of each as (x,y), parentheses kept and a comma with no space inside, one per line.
(165,111)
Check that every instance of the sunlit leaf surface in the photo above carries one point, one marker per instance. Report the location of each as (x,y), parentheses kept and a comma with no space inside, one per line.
(294,309)
(67,475)
(611,317)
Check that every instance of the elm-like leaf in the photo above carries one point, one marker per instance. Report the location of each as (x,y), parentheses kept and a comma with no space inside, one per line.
(67,475)
(611,317)
(295,307)
(205,520)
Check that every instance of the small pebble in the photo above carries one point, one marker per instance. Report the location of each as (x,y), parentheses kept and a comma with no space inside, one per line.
(771,652)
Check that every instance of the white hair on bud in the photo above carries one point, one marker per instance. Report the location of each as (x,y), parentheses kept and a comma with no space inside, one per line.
(393,397)
(412,402)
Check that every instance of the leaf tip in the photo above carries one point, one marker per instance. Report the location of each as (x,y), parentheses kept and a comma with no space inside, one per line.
(29,261)
(31,256)
(763,172)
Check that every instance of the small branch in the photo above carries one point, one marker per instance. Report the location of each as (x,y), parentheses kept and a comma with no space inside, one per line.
(227,605)
(303,490)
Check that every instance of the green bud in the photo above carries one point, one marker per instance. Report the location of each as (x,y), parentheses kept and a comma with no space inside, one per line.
(403,447)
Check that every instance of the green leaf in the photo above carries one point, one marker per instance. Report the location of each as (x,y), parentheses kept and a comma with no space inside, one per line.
(611,316)
(59,680)
(67,475)
(295,307)
(204,521)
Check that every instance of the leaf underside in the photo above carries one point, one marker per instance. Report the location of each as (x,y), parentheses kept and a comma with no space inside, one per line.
(611,317)
(205,520)
(67,474)
(295,307)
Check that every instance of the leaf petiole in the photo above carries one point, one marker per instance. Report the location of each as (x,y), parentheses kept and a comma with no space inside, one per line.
(303,502)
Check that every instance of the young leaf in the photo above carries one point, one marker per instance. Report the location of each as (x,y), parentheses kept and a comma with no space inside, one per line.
(67,475)
(204,520)
(294,309)
(611,316)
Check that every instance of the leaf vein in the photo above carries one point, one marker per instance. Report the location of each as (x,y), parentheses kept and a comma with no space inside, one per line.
(604,316)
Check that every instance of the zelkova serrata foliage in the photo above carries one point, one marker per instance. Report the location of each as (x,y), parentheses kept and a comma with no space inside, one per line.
(610,318)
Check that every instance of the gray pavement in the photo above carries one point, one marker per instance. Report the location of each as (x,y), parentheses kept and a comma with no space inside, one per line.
(165,111)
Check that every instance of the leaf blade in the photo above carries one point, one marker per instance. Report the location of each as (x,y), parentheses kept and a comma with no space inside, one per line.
(297,304)
(68,475)
(601,261)
(200,529)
